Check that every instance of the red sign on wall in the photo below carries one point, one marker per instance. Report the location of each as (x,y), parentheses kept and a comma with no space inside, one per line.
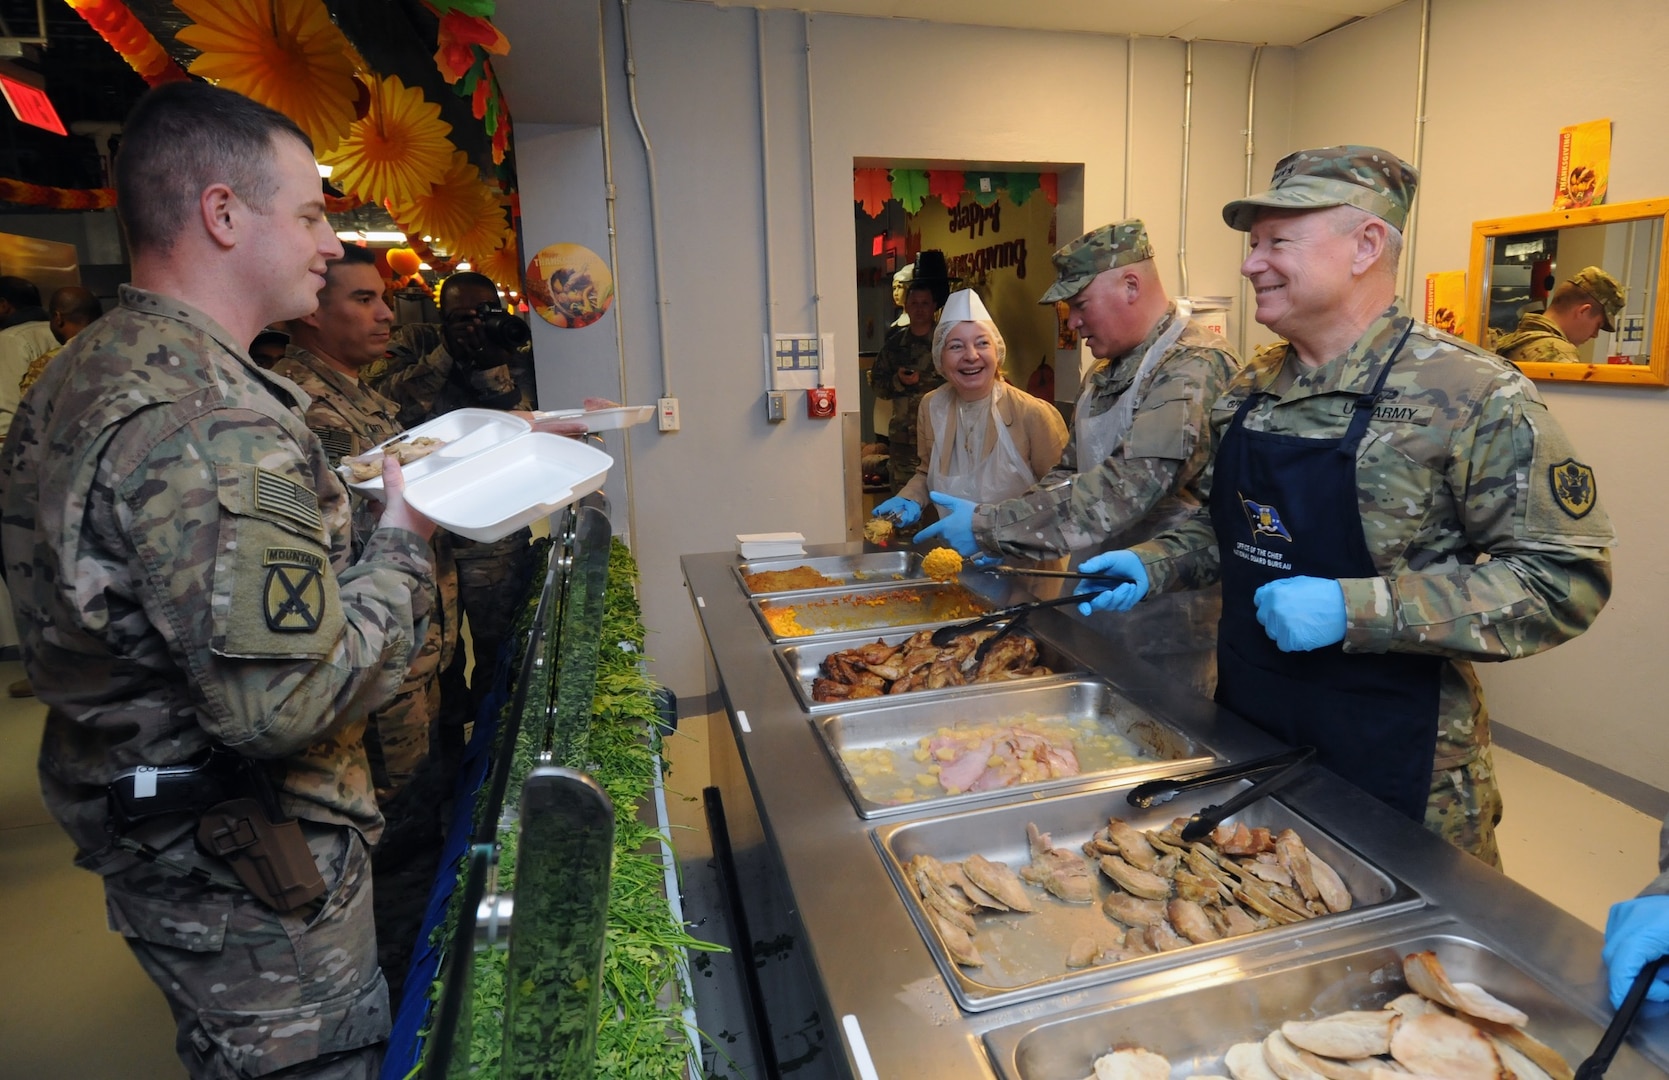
(31,105)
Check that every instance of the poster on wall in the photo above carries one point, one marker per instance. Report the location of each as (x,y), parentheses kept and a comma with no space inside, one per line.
(1584,165)
(569,285)
(1446,301)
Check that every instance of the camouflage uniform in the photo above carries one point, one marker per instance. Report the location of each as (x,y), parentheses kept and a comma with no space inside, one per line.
(36,366)
(1537,340)
(349,418)
(1486,529)
(1160,472)
(903,351)
(421,376)
(1660,886)
(186,581)
(411,762)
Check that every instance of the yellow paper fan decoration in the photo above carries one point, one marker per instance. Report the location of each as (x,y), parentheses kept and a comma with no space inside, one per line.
(460,211)
(285,54)
(504,265)
(395,152)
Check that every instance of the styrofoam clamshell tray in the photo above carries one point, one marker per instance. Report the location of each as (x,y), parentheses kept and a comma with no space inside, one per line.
(1025,954)
(610,419)
(867,569)
(803,665)
(494,474)
(1114,740)
(1194,1031)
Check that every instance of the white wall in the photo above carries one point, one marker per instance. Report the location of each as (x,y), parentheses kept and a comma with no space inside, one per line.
(889,89)
(1489,152)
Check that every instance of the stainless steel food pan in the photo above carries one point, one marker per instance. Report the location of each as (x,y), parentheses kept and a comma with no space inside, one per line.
(803,664)
(1025,954)
(1196,1027)
(873,567)
(1099,718)
(860,610)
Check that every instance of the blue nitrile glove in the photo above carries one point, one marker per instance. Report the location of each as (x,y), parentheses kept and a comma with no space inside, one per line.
(956,528)
(902,510)
(1120,598)
(1636,933)
(1301,613)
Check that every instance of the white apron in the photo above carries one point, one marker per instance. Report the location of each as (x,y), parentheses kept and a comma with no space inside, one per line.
(1002,474)
(1098,436)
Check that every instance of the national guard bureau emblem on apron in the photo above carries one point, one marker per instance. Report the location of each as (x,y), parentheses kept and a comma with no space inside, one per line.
(1575,488)
(293,599)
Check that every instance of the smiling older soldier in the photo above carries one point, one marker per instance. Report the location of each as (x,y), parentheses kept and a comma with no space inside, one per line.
(1387,506)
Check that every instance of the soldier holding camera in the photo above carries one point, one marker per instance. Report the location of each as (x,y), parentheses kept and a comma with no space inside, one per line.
(477,357)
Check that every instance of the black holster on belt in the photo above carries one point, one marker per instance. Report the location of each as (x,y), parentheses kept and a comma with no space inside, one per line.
(269,855)
(239,822)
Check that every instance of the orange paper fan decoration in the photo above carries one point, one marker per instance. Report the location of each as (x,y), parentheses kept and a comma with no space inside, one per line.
(396,151)
(286,54)
(460,211)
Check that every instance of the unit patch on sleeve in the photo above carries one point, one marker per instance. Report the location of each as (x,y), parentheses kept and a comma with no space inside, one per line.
(293,599)
(1575,489)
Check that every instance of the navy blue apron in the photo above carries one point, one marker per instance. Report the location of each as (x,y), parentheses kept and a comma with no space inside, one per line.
(1285,506)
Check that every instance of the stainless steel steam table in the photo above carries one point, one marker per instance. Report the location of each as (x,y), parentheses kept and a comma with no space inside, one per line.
(815,887)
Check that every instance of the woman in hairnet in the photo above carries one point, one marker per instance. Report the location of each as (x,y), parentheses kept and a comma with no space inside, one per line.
(978,437)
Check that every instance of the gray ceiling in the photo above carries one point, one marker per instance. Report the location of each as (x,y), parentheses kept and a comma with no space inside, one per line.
(1255,22)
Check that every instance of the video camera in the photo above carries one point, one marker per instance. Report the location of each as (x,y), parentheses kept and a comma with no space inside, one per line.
(502,329)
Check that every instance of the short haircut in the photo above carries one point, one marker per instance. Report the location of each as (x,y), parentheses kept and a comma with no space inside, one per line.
(352,255)
(1568,296)
(1355,216)
(463,279)
(19,292)
(916,286)
(183,137)
(76,305)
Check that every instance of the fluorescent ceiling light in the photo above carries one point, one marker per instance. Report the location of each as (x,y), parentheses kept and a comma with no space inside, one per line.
(344,234)
(463,266)
(424,266)
(385,237)
(325,170)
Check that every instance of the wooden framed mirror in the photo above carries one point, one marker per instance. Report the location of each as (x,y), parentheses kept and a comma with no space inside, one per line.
(1517,261)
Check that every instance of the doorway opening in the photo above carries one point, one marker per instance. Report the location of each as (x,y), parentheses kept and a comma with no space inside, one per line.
(996,225)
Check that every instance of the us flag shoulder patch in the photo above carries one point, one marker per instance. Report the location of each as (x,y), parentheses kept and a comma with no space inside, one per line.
(338,444)
(279,495)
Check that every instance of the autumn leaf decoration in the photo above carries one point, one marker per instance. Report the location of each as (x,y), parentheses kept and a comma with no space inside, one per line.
(871,189)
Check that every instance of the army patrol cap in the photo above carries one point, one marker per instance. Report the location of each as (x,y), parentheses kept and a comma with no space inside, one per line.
(1606,292)
(1365,177)
(1076,264)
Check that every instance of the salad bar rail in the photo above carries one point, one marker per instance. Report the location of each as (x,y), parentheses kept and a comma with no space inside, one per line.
(886,999)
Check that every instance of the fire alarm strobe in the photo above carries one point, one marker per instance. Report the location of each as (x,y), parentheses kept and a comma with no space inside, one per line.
(820,403)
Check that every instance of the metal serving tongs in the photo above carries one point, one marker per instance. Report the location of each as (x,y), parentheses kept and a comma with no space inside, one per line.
(1612,1040)
(1275,772)
(944,635)
(1019,571)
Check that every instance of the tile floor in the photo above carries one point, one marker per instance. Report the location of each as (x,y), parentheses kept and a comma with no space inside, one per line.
(73,1003)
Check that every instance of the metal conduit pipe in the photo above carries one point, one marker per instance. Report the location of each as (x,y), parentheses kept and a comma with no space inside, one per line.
(1419,148)
(1245,241)
(811,161)
(654,197)
(765,181)
(1129,119)
(1187,123)
(614,266)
